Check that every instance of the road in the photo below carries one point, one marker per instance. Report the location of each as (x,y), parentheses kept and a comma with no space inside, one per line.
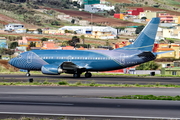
(97,79)
(86,102)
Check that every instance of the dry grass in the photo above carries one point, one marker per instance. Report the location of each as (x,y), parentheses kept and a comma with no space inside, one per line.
(6,65)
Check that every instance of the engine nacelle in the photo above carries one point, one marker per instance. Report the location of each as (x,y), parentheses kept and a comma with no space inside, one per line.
(51,69)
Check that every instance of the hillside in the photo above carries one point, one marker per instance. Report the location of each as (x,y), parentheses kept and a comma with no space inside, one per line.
(96,18)
(165,5)
(6,20)
(34,19)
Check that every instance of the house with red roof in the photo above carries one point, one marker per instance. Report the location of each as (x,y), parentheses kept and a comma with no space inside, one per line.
(26,41)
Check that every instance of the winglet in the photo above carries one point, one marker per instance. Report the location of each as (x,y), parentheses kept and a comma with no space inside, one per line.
(145,40)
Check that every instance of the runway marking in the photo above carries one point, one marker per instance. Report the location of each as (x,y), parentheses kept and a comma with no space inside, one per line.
(81,115)
(31,103)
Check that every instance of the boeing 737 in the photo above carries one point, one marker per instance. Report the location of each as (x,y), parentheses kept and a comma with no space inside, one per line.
(55,62)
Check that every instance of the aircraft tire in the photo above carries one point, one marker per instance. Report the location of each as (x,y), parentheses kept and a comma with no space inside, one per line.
(76,75)
(30,80)
(88,75)
(28,74)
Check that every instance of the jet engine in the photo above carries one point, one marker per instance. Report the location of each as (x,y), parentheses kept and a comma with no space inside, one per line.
(51,69)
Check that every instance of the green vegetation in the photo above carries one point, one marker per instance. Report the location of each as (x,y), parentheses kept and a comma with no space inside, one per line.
(80,84)
(171,2)
(151,65)
(147,97)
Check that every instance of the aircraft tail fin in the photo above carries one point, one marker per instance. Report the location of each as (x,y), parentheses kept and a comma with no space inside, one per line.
(145,40)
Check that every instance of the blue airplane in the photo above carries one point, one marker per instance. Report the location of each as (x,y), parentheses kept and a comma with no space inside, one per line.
(55,62)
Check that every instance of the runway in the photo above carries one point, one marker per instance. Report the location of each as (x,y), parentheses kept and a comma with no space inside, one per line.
(108,79)
(86,102)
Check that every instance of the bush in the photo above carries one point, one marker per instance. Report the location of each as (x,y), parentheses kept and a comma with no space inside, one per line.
(63,82)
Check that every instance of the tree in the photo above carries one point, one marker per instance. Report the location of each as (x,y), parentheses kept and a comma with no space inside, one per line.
(44,39)
(151,65)
(171,41)
(74,41)
(32,44)
(55,23)
(111,12)
(117,10)
(39,31)
(13,45)
(139,29)
(118,30)
(73,21)
(9,51)
(83,39)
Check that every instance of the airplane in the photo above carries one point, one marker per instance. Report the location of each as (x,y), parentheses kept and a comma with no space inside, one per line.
(76,62)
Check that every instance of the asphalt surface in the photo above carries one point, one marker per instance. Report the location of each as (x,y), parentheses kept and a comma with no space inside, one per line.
(86,102)
(97,79)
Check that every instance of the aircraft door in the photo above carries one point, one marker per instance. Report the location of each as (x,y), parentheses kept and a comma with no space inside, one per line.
(69,59)
(29,57)
(122,58)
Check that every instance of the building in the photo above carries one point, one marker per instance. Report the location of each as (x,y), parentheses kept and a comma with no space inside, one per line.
(119,16)
(166,55)
(135,12)
(175,48)
(3,42)
(26,41)
(166,18)
(13,27)
(148,14)
(50,45)
(172,32)
(128,31)
(99,32)
(170,71)
(95,8)
(54,32)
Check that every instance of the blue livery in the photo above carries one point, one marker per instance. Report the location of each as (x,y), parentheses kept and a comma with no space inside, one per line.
(55,62)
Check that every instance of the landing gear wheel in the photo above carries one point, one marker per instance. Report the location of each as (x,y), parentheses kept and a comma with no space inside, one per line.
(28,74)
(88,75)
(76,75)
(30,80)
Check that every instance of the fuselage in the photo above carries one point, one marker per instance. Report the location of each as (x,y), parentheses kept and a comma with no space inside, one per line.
(91,60)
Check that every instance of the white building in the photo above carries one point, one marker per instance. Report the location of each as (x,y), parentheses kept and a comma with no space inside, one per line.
(13,27)
(100,31)
(94,8)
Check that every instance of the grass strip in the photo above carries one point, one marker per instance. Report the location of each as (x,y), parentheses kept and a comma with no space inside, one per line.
(87,84)
(147,97)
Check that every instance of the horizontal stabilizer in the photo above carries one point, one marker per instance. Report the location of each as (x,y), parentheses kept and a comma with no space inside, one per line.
(158,53)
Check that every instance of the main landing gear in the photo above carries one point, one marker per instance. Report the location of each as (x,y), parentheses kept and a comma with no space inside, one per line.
(87,75)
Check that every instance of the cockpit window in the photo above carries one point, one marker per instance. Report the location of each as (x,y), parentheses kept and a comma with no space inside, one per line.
(19,56)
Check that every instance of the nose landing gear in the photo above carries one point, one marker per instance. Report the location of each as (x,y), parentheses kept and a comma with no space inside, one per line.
(28,73)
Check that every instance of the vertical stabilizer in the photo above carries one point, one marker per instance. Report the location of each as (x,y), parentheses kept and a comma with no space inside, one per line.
(145,40)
